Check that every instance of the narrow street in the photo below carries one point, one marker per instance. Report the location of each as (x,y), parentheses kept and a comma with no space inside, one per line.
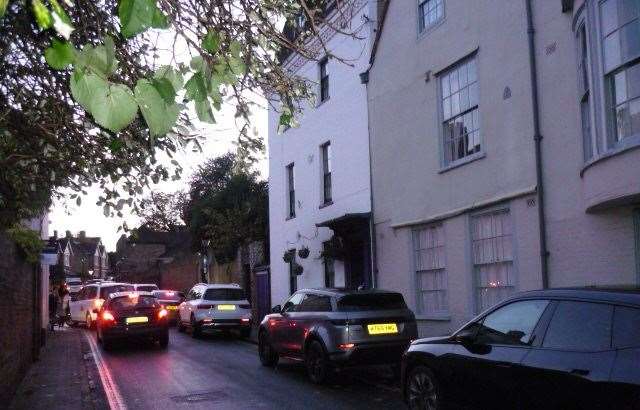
(220,371)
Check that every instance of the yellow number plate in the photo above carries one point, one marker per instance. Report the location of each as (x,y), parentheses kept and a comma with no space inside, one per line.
(171,307)
(382,328)
(226,307)
(140,319)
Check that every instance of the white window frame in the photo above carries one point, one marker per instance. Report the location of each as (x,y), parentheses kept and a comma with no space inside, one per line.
(477,308)
(441,268)
(326,150)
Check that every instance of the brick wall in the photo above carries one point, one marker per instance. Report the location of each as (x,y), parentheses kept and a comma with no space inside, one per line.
(19,329)
(180,274)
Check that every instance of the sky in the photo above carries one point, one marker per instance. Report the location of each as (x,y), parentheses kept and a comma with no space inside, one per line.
(66,215)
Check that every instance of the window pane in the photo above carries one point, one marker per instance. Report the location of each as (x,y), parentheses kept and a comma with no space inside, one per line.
(623,121)
(446,108)
(630,41)
(471,71)
(626,327)
(580,326)
(512,324)
(445,86)
(634,113)
(473,95)
(453,79)
(633,81)
(455,104)
(620,84)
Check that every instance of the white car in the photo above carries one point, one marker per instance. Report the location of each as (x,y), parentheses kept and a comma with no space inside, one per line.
(215,306)
(82,304)
(73,284)
(145,287)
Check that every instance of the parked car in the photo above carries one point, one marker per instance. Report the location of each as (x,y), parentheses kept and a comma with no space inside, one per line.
(170,300)
(91,297)
(215,307)
(553,349)
(337,327)
(132,315)
(145,287)
(73,284)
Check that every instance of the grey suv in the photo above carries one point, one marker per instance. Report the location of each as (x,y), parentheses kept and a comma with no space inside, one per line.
(337,327)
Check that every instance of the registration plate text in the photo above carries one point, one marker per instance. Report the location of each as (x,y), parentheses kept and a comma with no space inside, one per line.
(382,328)
(226,307)
(139,319)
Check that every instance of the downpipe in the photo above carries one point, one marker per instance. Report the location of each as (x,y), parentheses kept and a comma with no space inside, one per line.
(537,136)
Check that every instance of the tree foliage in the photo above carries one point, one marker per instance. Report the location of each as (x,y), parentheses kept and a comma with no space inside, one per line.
(84,99)
(227,206)
(163,212)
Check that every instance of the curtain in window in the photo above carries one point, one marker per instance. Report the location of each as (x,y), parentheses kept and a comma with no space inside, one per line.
(430,270)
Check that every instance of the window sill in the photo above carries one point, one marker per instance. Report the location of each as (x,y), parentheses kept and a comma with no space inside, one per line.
(326,204)
(434,317)
(463,161)
(632,144)
(426,31)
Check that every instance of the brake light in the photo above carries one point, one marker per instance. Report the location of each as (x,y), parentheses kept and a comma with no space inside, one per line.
(162,313)
(245,319)
(107,316)
(346,346)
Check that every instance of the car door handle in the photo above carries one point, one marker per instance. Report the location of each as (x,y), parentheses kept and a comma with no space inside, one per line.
(580,372)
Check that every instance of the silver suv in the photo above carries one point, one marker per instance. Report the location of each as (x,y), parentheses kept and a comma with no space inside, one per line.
(337,327)
(215,306)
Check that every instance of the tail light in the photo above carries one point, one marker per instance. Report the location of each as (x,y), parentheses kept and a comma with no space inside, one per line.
(346,346)
(205,306)
(108,316)
(245,320)
(162,313)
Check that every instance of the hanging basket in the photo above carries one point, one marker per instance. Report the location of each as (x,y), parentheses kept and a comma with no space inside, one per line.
(304,252)
(298,269)
(289,256)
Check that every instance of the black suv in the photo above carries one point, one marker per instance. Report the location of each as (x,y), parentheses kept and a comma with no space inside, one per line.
(553,349)
(337,327)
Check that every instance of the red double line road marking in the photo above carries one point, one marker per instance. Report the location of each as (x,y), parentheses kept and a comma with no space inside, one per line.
(110,387)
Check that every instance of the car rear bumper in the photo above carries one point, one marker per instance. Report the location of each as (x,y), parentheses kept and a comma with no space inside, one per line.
(224,324)
(123,332)
(371,353)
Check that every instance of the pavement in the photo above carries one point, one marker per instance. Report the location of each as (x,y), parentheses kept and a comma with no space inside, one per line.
(215,371)
(65,377)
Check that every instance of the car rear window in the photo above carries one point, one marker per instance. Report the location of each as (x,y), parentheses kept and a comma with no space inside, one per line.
(377,301)
(224,294)
(147,288)
(168,295)
(106,290)
(126,302)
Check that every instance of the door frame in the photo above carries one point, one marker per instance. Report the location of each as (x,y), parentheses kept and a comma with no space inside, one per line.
(636,235)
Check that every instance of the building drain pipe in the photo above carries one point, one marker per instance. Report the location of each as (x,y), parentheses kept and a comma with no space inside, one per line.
(544,254)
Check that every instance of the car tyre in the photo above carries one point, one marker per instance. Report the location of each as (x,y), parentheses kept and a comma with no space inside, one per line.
(422,391)
(196,331)
(164,340)
(268,356)
(317,362)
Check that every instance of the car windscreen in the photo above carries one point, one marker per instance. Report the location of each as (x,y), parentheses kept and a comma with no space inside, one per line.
(224,294)
(106,290)
(167,295)
(373,301)
(127,302)
(74,282)
(147,288)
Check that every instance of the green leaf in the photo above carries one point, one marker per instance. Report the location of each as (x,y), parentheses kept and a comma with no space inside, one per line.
(117,109)
(100,59)
(3,7)
(211,42)
(236,65)
(159,115)
(197,63)
(165,88)
(175,77)
(235,48)
(196,87)
(60,54)
(110,54)
(86,88)
(43,16)
(136,16)
(203,109)
(61,20)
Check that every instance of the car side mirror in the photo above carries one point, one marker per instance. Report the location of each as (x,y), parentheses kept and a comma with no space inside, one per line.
(465,336)
(276,309)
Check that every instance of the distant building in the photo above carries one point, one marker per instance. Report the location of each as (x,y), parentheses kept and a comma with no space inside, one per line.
(81,256)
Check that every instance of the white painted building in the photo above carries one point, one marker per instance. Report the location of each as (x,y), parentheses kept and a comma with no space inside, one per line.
(319,171)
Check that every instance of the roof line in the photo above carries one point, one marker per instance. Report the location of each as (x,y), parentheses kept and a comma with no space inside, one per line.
(381,19)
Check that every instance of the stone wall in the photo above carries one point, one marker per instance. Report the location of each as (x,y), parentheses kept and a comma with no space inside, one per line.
(180,274)
(19,326)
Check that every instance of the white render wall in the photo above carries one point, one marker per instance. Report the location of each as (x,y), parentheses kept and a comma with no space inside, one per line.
(342,120)
(585,247)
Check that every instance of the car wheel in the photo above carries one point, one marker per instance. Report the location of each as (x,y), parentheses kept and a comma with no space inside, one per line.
(422,389)
(164,340)
(268,356)
(317,362)
(196,332)
(89,322)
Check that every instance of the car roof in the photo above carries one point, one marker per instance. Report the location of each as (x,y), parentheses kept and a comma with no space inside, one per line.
(127,293)
(220,285)
(622,294)
(339,292)
(111,284)
(144,284)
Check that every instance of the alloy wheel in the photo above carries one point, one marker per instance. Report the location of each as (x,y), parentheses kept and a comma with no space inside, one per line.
(422,393)
(316,363)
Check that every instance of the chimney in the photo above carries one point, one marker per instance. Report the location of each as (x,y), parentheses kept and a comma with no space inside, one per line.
(82,234)
(67,234)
